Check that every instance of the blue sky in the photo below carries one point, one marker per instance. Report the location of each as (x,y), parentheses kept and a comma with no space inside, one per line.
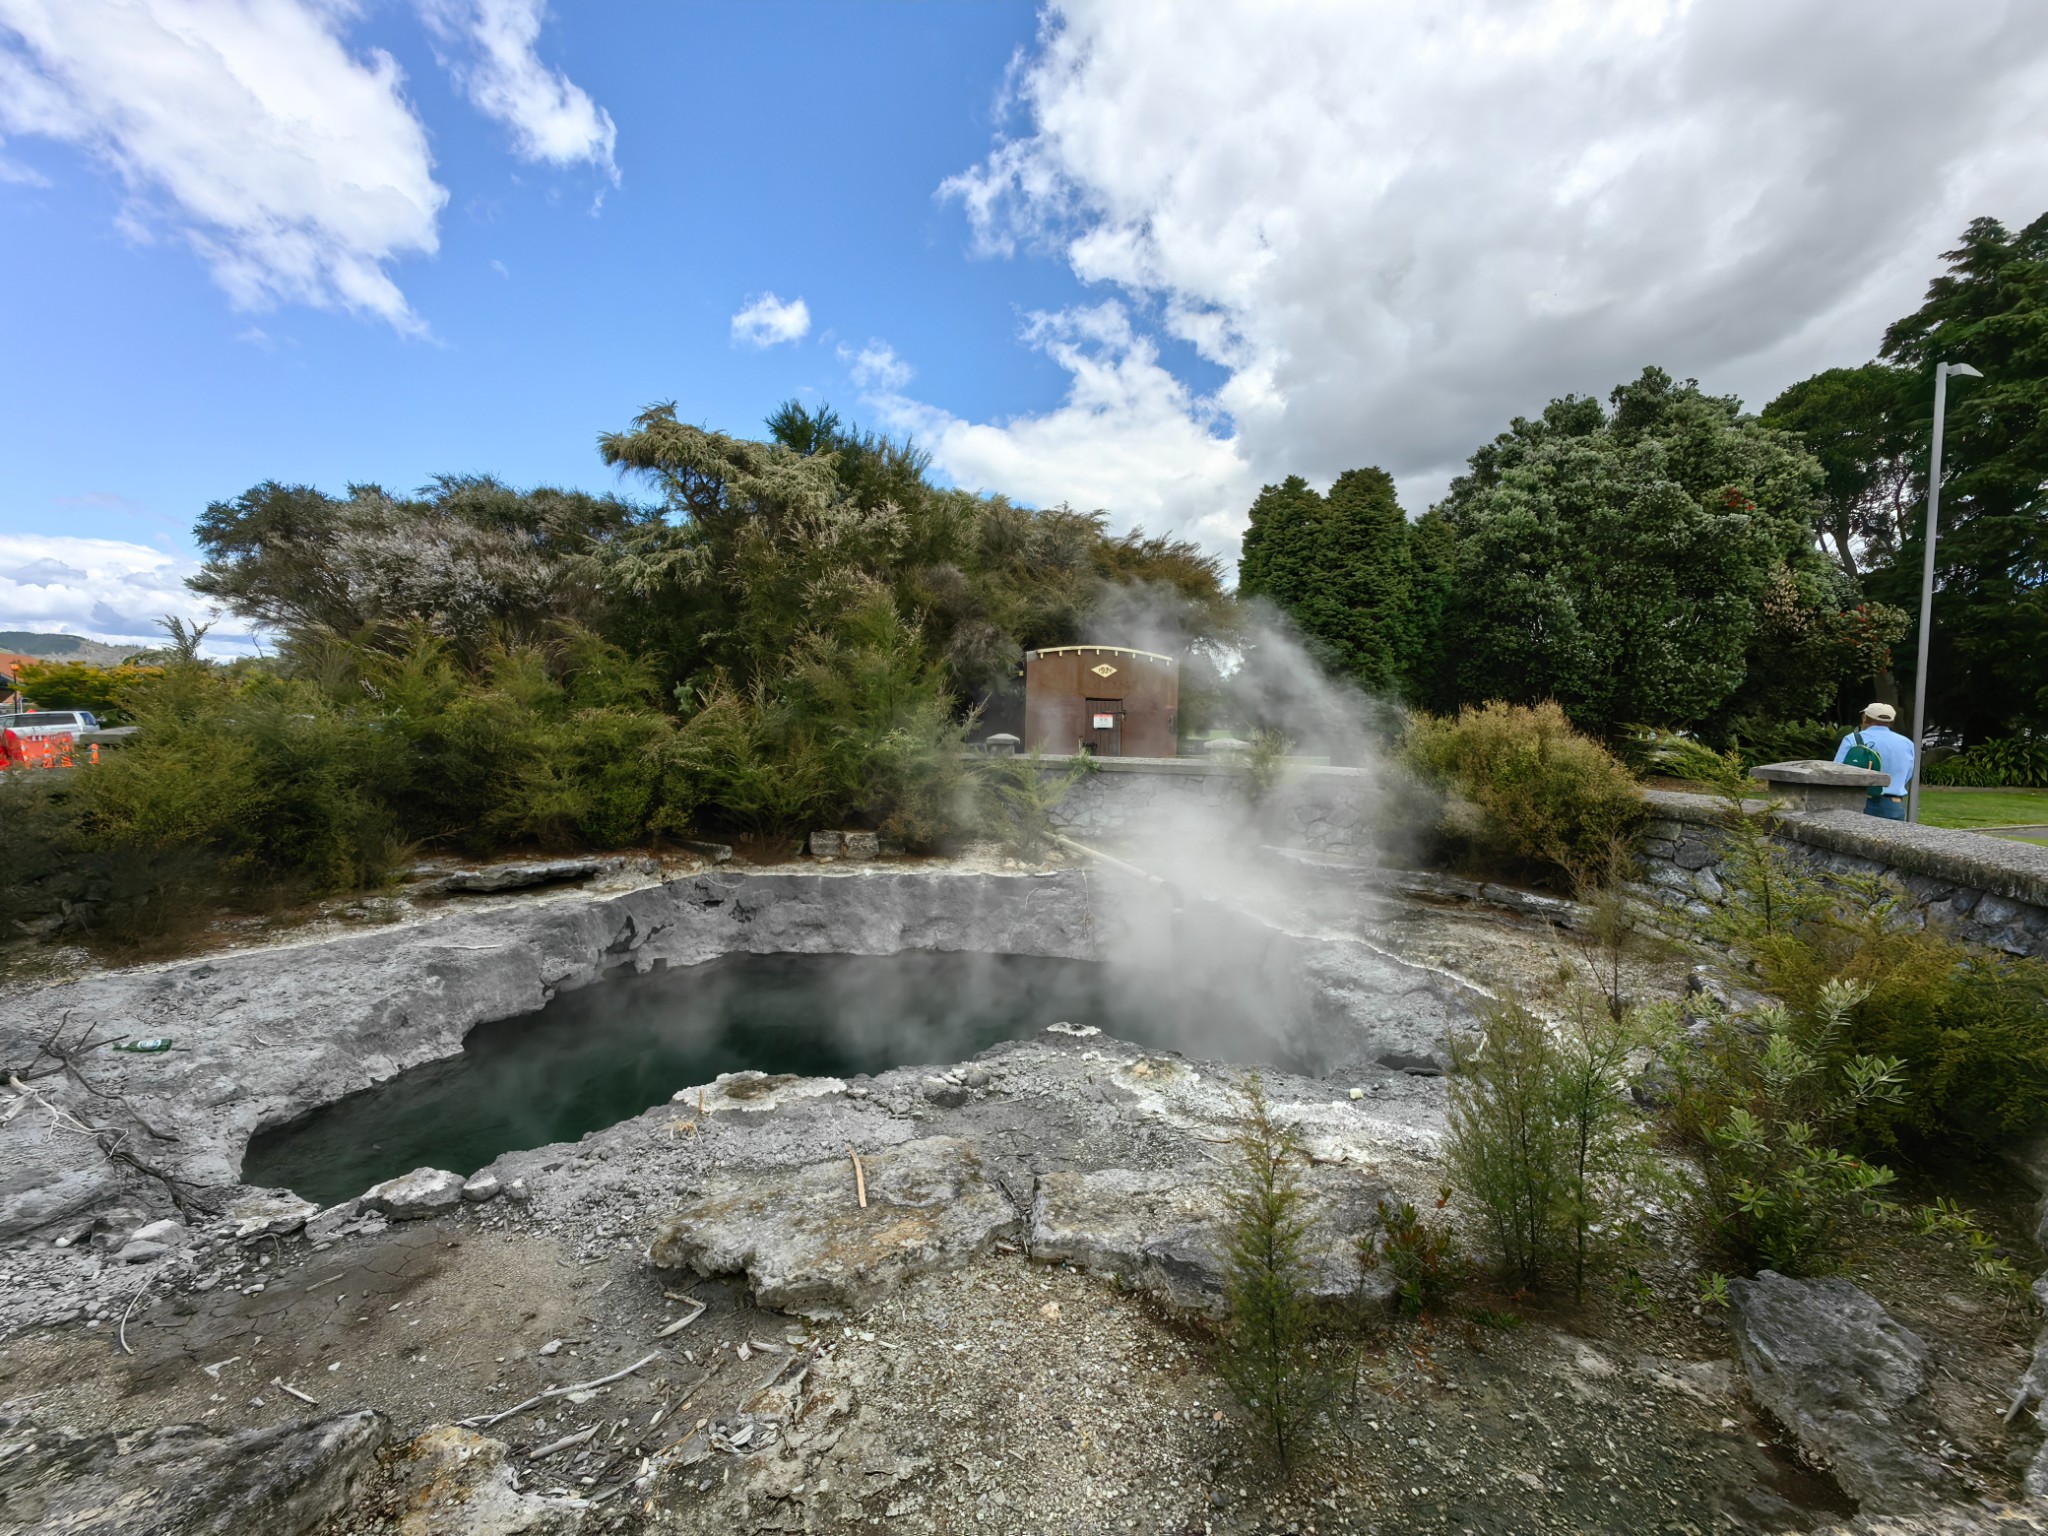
(1130,254)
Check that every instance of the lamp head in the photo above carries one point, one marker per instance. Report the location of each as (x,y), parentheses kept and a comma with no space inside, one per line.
(1962,371)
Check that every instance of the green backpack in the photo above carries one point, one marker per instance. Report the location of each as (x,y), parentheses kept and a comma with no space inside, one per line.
(1863,755)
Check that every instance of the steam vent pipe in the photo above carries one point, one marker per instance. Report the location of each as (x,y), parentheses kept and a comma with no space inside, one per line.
(1103,700)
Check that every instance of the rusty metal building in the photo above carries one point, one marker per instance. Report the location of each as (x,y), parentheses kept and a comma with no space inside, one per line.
(1108,700)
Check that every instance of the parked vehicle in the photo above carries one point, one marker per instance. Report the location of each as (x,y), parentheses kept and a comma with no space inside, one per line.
(32,724)
(41,737)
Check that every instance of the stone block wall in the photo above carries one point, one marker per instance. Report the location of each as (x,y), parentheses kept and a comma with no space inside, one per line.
(1138,799)
(1986,890)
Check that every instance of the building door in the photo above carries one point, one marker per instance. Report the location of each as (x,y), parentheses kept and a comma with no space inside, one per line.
(1104,736)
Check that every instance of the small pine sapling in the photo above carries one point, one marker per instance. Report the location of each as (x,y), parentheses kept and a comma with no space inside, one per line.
(1269,1358)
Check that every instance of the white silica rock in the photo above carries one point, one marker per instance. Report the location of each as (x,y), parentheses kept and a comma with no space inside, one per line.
(411,1196)
(480,1187)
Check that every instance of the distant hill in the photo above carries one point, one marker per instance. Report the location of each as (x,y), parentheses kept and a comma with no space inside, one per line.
(50,647)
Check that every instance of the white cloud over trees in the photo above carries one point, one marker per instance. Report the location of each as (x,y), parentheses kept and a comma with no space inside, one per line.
(1385,230)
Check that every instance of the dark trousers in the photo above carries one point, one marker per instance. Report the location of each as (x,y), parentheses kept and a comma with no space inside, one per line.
(1890,807)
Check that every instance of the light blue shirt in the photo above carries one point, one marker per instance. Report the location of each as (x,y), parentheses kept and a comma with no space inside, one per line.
(1892,749)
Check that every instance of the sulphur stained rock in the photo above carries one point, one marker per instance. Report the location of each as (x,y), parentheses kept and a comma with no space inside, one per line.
(183,1479)
(805,1243)
(454,1482)
(412,1196)
(1849,1381)
(1165,1231)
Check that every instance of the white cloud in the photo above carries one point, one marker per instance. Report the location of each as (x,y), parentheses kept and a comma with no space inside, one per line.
(107,589)
(1391,228)
(876,367)
(294,166)
(767,320)
(553,120)
(1129,437)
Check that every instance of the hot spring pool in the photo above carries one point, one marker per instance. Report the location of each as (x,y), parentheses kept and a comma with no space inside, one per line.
(603,1054)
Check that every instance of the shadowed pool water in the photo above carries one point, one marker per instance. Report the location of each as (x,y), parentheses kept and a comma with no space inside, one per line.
(594,1057)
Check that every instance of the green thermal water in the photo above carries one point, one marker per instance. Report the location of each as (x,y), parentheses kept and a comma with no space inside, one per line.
(594,1057)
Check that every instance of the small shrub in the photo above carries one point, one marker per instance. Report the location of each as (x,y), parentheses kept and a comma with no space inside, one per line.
(1947,1223)
(1766,1103)
(1506,1148)
(1529,793)
(1419,1252)
(2007,762)
(1969,1025)
(1264,762)
(1756,740)
(1015,799)
(1542,1139)
(1269,1357)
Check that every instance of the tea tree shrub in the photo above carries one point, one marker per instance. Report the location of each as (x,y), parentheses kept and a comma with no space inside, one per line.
(1270,1357)
(1544,1143)
(1527,792)
(1768,1103)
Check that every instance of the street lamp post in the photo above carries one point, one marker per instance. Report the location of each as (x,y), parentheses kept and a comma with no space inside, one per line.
(1941,373)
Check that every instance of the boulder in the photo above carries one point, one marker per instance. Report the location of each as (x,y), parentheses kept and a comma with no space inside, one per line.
(414,1196)
(479,1187)
(183,1479)
(942,1094)
(519,876)
(1849,1381)
(112,1228)
(325,1226)
(455,1482)
(805,1243)
(269,1213)
(1165,1231)
(136,1251)
(171,1232)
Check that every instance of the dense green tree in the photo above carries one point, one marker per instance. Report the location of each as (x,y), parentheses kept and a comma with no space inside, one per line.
(468,559)
(1860,424)
(1989,668)
(1871,427)
(1621,561)
(1340,566)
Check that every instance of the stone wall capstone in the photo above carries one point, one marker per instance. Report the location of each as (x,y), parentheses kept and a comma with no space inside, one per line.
(1986,890)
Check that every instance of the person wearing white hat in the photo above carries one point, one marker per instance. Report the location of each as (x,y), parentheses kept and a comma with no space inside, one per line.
(1874,744)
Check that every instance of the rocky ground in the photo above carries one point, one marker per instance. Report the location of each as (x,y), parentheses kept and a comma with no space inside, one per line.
(1011,1334)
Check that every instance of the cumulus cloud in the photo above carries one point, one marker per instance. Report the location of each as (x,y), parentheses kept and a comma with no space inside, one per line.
(493,53)
(767,320)
(106,589)
(876,367)
(1128,437)
(1389,229)
(292,165)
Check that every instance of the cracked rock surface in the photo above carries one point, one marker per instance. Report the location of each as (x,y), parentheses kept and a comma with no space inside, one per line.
(183,1479)
(805,1249)
(1849,1380)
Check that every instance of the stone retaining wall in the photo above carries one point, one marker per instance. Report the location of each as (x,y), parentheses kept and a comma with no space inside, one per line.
(1987,890)
(1324,810)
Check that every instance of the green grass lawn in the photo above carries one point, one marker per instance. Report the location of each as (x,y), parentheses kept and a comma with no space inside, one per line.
(1984,807)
